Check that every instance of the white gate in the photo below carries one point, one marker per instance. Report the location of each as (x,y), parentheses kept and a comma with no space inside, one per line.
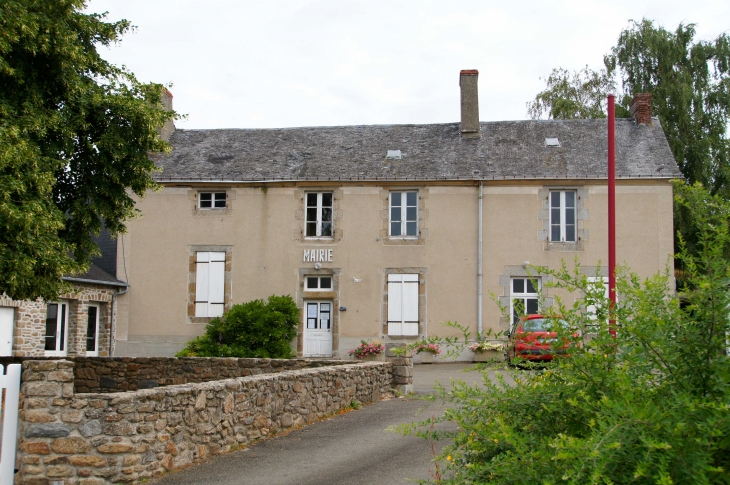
(10,383)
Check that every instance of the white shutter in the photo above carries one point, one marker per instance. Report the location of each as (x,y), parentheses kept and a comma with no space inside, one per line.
(395,304)
(402,304)
(410,304)
(210,284)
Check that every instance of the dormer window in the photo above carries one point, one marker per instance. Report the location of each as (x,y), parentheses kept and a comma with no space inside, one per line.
(212,200)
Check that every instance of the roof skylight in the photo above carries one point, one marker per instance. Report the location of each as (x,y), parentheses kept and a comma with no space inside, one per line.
(552,142)
(393,154)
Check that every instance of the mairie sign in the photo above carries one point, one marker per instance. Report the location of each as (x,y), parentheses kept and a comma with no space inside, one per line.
(317,256)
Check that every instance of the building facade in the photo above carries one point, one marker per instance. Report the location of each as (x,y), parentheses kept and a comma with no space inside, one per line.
(384,232)
(78,324)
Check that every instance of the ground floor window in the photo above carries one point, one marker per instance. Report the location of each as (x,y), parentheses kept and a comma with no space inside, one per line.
(403,304)
(210,269)
(524,299)
(318,283)
(56,329)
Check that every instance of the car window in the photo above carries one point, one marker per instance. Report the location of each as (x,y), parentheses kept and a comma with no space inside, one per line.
(542,325)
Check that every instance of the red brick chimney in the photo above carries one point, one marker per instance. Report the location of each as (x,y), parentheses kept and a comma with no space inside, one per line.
(469,103)
(640,108)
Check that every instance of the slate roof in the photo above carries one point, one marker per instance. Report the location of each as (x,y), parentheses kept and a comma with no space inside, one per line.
(506,150)
(95,275)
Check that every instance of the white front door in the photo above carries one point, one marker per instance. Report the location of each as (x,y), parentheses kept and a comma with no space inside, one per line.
(6,330)
(57,329)
(318,329)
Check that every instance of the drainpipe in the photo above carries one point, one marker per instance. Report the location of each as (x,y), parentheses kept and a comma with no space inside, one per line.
(111,324)
(479,263)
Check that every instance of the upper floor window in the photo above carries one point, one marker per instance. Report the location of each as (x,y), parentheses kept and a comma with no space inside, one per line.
(404,214)
(562,216)
(212,200)
(319,214)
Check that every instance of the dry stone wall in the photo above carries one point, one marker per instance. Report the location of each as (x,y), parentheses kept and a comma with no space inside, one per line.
(131,373)
(102,438)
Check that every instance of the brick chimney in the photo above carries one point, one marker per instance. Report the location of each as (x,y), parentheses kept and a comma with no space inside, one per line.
(640,108)
(469,103)
(169,127)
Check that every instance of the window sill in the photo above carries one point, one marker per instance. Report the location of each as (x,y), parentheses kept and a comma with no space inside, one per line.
(564,246)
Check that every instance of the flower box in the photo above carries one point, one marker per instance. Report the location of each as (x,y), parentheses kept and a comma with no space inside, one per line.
(426,357)
(489,356)
(373,358)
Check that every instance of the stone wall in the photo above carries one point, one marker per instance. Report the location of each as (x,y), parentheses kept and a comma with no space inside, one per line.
(119,374)
(96,439)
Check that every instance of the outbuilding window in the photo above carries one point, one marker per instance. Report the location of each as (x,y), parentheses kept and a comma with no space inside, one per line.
(210,270)
(319,214)
(404,214)
(56,329)
(212,200)
(402,304)
(92,331)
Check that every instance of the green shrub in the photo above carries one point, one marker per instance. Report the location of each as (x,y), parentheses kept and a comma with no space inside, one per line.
(254,329)
(651,406)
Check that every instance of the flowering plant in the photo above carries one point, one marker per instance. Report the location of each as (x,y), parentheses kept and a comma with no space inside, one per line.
(484,346)
(366,349)
(433,348)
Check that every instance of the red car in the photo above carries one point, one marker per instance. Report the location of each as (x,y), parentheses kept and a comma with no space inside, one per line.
(534,339)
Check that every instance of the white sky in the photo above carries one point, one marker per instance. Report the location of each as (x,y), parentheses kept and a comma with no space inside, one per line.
(270,64)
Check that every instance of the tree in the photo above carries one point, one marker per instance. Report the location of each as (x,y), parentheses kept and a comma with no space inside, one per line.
(257,328)
(76,135)
(576,95)
(647,407)
(690,86)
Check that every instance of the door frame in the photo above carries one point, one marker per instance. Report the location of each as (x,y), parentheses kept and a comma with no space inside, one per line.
(308,331)
(62,326)
(95,352)
(7,310)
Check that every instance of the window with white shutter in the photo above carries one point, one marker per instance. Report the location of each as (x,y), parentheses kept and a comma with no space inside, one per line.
(402,304)
(210,271)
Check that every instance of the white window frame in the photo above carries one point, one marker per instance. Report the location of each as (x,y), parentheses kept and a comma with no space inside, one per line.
(563,222)
(403,293)
(61,344)
(210,271)
(402,211)
(592,310)
(319,283)
(95,351)
(318,221)
(523,297)
(214,200)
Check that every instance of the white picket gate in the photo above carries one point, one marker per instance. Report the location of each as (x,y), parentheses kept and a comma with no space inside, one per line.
(10,382)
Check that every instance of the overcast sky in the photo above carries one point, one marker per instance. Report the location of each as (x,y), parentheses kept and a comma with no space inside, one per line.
(266,64)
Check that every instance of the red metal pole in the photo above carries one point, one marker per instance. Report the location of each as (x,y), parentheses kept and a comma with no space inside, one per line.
(612,212)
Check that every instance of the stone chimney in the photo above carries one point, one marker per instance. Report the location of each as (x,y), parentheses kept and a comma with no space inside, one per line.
(469,103)
(169,127)
(640,108)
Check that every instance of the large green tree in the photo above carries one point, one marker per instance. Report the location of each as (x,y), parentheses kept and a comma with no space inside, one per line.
(690,85)
(76,133)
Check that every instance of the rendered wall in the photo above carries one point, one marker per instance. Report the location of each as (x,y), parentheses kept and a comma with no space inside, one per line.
(263,229)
